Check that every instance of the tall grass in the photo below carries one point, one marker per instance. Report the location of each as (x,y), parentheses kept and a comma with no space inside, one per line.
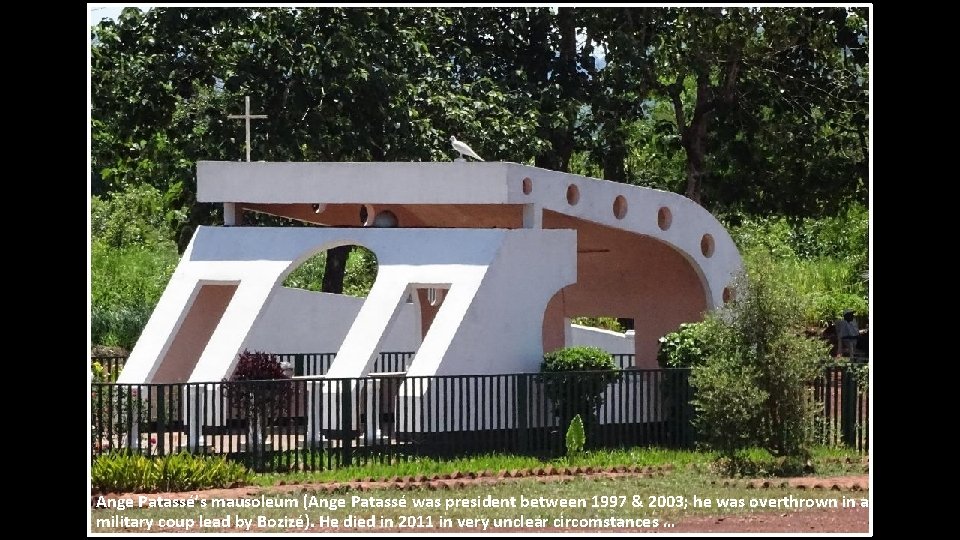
(824,261)
(828,285)
(126,284)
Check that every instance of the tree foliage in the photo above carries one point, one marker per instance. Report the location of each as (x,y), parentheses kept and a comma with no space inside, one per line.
(686,347)
(763,100)
(756,105)
(751,385)
(750,111)
(824,261)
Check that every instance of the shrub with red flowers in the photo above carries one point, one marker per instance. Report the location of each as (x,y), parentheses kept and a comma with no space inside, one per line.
(259,390)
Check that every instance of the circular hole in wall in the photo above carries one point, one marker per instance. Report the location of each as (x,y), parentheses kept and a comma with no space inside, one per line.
(727,295)
(527,186)
(706,245)
(366,215)
(385,219)
(620,207)
(664,218)
(573,194)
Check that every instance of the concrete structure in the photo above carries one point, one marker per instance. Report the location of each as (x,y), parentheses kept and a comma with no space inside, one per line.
(495,258)
(510,254)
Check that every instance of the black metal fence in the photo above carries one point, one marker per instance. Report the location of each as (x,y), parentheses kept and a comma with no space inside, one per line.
(313,364)
(111,364)
(306,364)
(315,423)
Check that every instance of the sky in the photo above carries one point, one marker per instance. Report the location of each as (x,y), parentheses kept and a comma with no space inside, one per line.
(112,11)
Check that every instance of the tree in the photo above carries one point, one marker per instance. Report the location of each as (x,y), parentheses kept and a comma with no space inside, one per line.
(755,110)
(751,385)
(784,87)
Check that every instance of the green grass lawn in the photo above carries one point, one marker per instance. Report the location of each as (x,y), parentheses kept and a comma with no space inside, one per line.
(492,462)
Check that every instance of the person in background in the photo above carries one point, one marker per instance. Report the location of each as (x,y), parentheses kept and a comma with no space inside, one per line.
(847,334)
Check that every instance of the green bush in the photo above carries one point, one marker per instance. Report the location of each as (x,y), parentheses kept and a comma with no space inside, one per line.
(607,323)
(577,359)
(728,403)
(132,258)
(103,375)
(575,437)
(133,217)
(124,472)
(684,348)
(760,463)
(751,388)
(575,380)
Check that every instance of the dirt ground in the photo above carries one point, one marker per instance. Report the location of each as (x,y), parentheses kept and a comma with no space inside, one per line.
(837,520)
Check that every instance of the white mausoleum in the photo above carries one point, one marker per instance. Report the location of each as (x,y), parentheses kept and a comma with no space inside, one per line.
(481,268)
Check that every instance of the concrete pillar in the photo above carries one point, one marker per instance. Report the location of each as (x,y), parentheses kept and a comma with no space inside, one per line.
(532,216)
(229,214)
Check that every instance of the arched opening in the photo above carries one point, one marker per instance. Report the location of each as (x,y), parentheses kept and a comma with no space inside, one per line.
(354,279)
(625,276)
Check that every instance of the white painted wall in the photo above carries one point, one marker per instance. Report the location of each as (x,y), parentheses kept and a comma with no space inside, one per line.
(495,330)
(380,182)
(300,321)
(608,340)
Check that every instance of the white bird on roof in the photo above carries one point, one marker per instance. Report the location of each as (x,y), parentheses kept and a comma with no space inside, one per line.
(463,149)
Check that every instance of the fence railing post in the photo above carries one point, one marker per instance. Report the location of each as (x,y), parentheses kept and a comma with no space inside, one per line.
(685,409)
(195,416)
(132,399)
(522,407)
(848,407)
(161,423)
(346,421)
